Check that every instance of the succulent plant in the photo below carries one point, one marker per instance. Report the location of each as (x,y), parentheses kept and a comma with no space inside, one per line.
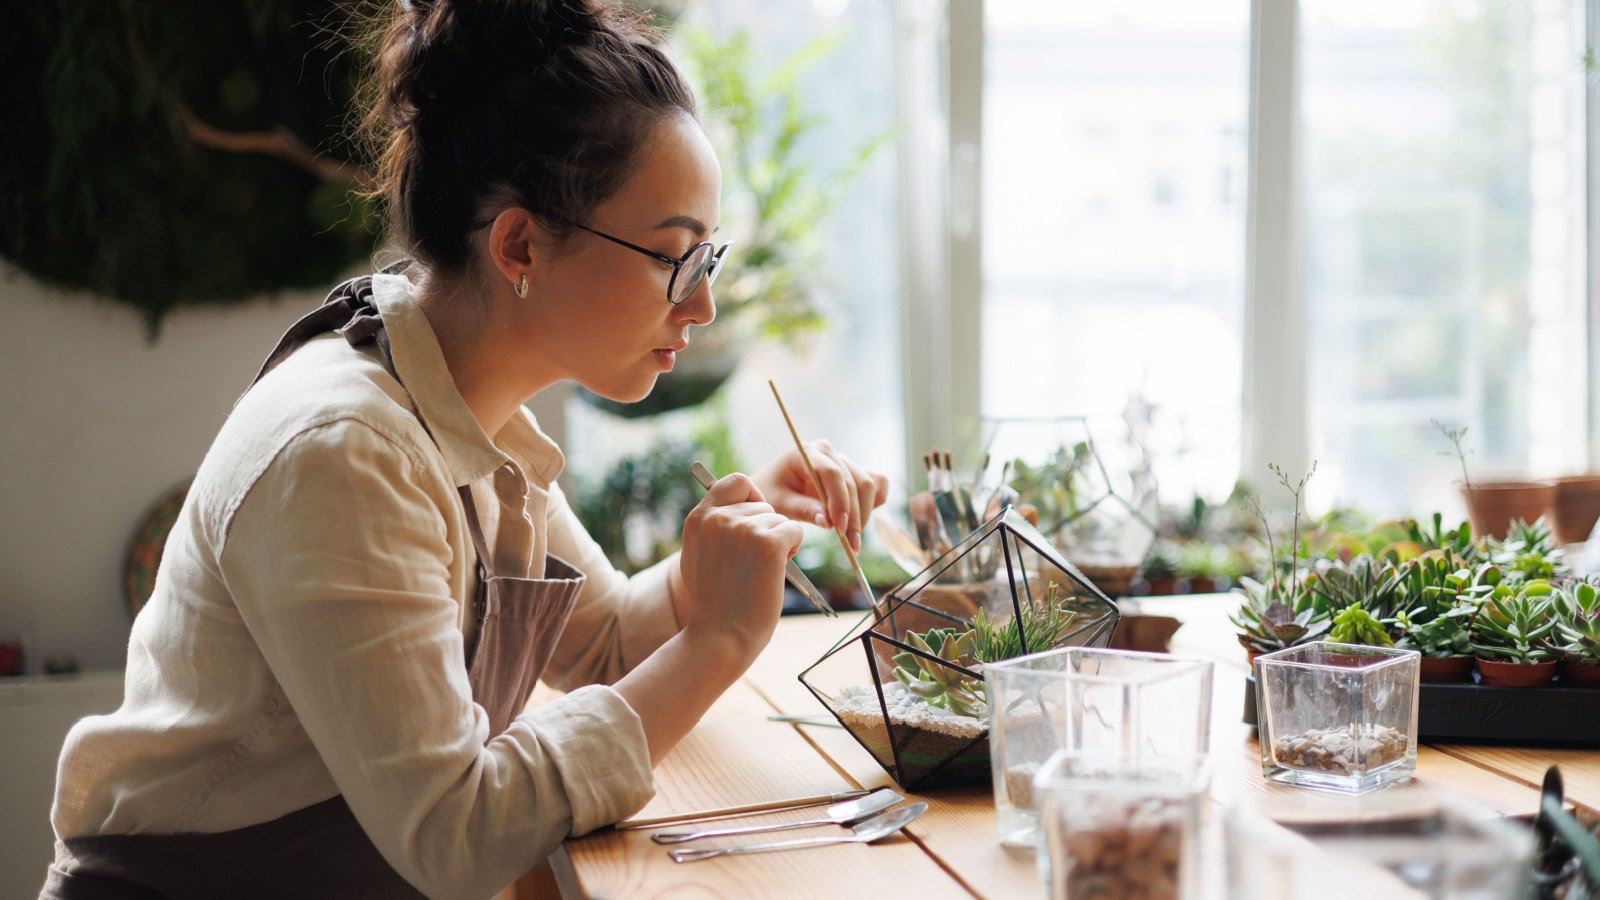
(1042,623)
(941,685)
(1439,595)
(1366,581)
(1529,552)
(1276,616)
(1457,541)
(1516,624)
(1578,621)
(1354,625)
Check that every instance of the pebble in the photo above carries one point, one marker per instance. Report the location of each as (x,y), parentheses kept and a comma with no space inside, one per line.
(1119,849)
(1338,751)
(859,706)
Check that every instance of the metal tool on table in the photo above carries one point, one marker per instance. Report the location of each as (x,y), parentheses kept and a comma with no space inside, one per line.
(841,814)
(743,809)
(819,721)
(791,571)
(876,828)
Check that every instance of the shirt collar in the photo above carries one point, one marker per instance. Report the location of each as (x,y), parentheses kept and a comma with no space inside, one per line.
(420,366)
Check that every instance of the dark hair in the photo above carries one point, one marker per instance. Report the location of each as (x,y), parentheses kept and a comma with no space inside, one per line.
(538,103)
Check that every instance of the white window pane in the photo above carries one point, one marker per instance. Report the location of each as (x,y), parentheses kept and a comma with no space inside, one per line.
(1114,175)
(1444,266)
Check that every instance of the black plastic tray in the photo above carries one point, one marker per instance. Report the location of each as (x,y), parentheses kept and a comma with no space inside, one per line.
(1554,716)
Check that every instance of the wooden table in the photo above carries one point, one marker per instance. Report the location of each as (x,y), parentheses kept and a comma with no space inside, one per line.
(735,756)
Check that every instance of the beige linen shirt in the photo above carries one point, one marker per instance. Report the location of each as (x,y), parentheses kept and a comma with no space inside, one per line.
(305,636)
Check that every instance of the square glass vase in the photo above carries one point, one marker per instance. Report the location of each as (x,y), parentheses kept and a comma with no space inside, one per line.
(1339,717)
(902,687)
(1149,706)
(1122,825)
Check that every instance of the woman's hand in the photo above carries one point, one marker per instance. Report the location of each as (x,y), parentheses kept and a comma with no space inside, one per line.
(853,492)
(735,547)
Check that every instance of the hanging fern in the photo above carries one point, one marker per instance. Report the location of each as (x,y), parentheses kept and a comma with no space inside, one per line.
(181,152)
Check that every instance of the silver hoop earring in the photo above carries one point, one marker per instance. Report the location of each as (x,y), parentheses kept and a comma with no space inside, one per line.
(522,287)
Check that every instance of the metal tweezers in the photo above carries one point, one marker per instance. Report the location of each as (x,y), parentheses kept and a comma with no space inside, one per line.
(791,571)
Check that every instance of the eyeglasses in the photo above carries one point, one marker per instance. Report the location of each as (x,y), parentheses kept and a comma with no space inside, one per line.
(702,262)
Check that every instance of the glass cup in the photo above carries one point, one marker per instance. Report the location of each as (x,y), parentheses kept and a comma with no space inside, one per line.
(1403,842)
(1146,705)
(1117,825)
(1338,717)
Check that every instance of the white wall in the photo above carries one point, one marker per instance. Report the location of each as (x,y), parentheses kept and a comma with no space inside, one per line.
(95,423)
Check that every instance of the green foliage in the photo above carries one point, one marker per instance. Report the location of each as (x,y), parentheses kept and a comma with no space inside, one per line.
(106,184)
(650,492)
(781,200)
(1516,624)
(1055,487)
(1044,623)
(1439,596)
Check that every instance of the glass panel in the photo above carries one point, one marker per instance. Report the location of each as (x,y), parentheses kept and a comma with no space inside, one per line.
(1114,180)
(1445,233)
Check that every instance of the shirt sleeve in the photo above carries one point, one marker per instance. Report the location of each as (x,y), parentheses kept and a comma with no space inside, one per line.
(338,561)
(617,621)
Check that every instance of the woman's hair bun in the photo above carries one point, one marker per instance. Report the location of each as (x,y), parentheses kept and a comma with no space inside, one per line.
(449,48)
(539,102)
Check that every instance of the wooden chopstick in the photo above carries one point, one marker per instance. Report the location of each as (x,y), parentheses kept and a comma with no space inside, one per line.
(726,811)
(822,492)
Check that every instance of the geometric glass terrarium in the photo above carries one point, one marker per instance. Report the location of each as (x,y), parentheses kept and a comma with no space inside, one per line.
(1095,490)
(907,681)
(1340,717)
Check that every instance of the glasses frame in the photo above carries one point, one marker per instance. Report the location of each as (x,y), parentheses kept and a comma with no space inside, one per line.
(677,263)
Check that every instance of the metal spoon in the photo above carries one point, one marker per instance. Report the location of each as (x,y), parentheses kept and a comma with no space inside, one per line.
(880,826)
(848,813)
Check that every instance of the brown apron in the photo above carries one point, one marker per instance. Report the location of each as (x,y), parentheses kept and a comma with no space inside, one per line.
(321,851)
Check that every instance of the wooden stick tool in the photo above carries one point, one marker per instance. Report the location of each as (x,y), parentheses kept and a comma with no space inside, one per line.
(822,491)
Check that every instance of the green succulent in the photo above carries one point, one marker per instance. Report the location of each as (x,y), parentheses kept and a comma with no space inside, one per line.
(1044,623)
(1457,541)
(1440,595)
(1276,618)
(1516,624)
(1578,621)
(941,685)
(1529,552)
(1367,581)
(1354,625)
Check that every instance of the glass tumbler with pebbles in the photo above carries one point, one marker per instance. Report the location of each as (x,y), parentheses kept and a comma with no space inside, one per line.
(1087,699)
(1339,717)
(1117,826)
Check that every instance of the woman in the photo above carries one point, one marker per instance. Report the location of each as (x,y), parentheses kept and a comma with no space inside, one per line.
(324,695)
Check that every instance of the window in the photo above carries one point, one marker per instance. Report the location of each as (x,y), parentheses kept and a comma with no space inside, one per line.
(1435,160)
(1113,251)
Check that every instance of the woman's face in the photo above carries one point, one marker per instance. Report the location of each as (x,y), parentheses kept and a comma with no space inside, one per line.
(597,310)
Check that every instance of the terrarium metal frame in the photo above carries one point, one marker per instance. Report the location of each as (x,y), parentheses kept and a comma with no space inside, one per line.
(977,577)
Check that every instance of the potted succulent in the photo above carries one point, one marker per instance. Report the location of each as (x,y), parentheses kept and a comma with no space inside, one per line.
(1528,552)
(1277,616)
(1439,599)
(1578,633)
(1512,635)
(1204,566)
(1159,571)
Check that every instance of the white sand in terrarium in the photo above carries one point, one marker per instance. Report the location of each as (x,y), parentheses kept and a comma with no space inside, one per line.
(858,708)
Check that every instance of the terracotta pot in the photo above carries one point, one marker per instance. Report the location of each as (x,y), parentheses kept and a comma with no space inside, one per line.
(1576,507)
(1517,675)
(1446,669)
(1580,673)
(1163,585)
(1202,586)
(1152,634)
(1493,505)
